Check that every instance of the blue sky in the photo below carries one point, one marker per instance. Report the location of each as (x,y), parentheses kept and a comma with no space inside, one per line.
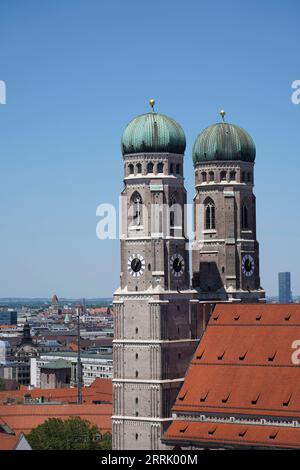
(77,71)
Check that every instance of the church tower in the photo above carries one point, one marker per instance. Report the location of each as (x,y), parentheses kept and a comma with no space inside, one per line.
(226,252)
(155,321)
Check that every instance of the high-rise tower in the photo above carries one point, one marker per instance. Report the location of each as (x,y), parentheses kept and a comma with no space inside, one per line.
(226,251)
(155,321)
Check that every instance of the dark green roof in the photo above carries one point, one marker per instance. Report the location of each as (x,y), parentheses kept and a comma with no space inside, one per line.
(58,364)
(153,132)
(223,141)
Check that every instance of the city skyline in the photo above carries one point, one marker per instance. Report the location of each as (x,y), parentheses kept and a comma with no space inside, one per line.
(61,126)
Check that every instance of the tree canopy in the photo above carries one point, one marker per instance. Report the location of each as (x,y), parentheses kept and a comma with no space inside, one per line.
(71,434)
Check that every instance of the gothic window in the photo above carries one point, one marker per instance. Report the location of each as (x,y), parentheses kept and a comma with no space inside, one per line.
(223,175)
(150,167)
(160,167)
(232,176)
(172,211)
(131,169)
(139,168)
(244,217)
(211,176)
(204,177)
(136,207)
(210,215)
(178,169)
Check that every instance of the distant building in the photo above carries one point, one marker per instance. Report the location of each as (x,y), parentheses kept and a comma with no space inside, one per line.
(8,317)
(284,286)
(93,366)
(56,374)
(16,370)
(26,348)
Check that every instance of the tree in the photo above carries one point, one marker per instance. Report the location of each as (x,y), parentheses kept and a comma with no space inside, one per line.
(71,434)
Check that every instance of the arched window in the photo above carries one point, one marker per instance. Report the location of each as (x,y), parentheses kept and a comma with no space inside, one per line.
(249,177)
(211,176)
(244,217)
(171,168)
(204,177)
(210,215)
(150,167)
(178,169)
(172,211)
(223,176)
(232,176)
(160,167)
(131,169)
(139,168)
(136,208)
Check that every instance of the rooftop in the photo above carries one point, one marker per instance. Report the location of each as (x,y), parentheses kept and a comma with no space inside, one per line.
(243,368)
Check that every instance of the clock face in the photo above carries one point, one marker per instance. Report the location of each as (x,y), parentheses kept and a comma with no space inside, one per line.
(136,265)
(177,265)
(248,265)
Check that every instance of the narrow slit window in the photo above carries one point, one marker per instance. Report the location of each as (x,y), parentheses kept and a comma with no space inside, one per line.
(272,356)
(182,396)
(255,399)
(226,397)
(212,431)
(204,396)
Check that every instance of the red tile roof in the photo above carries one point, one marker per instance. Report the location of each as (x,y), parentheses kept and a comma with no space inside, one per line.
(243,366)
(23,418)
(100,390)
(217,434)
(8,441)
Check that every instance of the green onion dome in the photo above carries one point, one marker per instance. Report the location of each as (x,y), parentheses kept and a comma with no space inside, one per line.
(153,132)
(222,142)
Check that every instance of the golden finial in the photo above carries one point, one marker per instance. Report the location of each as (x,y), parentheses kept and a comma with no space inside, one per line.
(222,114)
(152,103)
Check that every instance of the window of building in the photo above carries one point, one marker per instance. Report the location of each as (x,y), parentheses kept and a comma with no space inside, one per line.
(171,168)
(249,177)
(131,169)
(139,168)
(178,169)
(160,167)
(244,217)
(172,207)
(223,176)
(150,167)
(136,374)
(136,436)
(210,215)
(243,177)
(204,177)
(136,331)
(211,176)
(232,176)
(136,203)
